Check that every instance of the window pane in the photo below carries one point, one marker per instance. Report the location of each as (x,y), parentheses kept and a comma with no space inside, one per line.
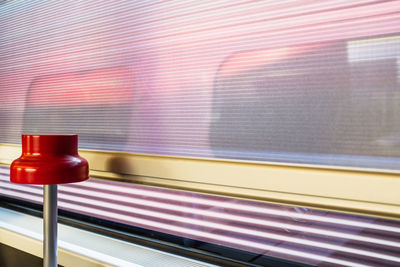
(290,81)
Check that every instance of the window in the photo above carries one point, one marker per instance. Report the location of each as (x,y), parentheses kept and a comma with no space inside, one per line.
(293,82)
(289,102)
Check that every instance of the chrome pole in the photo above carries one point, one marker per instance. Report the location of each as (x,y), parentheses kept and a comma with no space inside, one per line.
(50,225)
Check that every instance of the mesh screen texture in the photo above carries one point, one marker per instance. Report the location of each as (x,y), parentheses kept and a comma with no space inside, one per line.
(313,82)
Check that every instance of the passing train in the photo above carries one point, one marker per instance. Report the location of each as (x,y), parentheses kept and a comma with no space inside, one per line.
(218,133)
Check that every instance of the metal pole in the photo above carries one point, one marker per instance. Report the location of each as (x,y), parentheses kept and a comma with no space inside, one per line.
(50,225)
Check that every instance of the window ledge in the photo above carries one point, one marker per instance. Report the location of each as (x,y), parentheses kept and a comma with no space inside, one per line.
(77,247)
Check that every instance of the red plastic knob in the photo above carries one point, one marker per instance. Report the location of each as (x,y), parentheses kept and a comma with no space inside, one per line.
(49,159)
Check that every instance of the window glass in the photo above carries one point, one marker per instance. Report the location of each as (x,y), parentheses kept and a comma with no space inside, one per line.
(290,81)
(309,82)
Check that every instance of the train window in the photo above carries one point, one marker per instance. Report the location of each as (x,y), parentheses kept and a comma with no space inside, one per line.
(327,103)
(250,102)
(310,83)
(83,103)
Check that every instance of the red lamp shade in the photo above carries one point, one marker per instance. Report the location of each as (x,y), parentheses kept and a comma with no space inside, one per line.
(49,159)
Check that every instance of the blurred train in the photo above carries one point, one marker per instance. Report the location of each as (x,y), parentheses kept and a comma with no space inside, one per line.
(339,97)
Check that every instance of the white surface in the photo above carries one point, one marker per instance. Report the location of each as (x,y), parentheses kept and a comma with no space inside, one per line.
(82,248)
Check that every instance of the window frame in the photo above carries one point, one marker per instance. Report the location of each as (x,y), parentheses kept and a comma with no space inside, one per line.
(371,192)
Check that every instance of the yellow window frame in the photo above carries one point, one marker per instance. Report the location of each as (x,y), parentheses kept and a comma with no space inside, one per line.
(371,192)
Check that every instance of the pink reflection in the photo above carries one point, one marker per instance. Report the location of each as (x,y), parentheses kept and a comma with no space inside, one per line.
(216,220)
(109,86)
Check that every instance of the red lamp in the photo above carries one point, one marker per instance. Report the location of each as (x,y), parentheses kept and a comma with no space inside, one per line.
(49,160)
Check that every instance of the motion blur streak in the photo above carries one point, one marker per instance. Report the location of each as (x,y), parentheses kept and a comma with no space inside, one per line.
(158,209)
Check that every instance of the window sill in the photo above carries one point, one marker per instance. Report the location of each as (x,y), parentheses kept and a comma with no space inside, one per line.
(78,247)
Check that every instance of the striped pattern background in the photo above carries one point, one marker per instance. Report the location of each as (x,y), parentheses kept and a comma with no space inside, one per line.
(292,81)
(308,236)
